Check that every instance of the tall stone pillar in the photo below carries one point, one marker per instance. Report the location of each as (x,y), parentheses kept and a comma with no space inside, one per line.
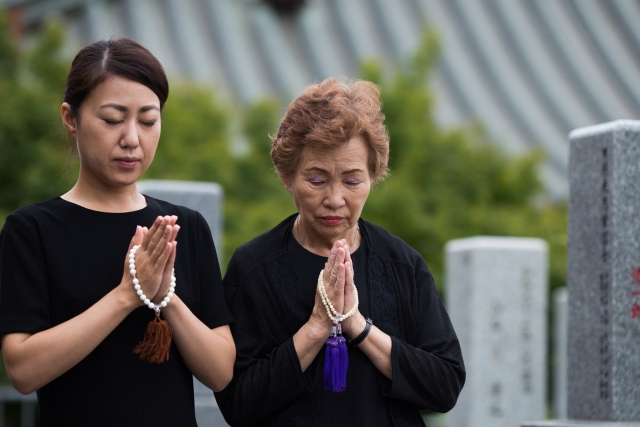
(604,277)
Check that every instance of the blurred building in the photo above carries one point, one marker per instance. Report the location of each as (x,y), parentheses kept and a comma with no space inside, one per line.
(530,70)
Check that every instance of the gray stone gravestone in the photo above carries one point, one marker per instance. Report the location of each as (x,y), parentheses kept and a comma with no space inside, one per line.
(207,412)
(497,300)
(206,198)
(560,336)
(604,276)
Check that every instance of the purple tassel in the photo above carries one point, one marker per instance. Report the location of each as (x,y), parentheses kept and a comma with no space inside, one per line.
(343,362)
(335,364)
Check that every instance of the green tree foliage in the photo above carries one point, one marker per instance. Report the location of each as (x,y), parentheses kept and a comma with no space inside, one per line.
(451,183)
(30,130)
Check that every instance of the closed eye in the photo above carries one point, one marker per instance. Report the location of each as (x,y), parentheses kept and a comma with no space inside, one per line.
(316,181)
(113,122)
(147,124)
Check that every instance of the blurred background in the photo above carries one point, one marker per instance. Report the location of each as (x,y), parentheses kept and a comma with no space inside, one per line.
(479,96)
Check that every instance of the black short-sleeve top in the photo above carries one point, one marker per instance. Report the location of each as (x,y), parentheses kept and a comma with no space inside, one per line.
(57,259)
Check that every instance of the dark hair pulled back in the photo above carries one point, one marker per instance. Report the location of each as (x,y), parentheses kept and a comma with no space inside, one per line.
(115,57)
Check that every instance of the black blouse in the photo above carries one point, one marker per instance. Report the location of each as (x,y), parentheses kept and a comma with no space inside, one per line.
(361,403)
(270,288)
(57,259)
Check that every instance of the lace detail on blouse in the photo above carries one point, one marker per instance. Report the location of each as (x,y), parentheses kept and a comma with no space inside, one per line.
(382,296)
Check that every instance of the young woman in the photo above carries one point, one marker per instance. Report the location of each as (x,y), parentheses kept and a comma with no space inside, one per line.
(70,318)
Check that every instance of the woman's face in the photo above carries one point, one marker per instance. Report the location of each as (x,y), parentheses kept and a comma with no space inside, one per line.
(117,131)
(329,188)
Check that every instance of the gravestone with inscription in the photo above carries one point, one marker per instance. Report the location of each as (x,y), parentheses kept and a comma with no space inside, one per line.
(206,198)
(604,277)
(497,290)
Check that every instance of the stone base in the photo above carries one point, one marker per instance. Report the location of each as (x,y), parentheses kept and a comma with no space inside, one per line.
(580,423)
(207,413)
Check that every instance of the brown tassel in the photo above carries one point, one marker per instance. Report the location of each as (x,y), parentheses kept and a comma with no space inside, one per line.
(155,346)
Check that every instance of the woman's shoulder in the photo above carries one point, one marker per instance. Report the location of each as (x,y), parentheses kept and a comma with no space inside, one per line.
(390,245)
(40,211)
(262,247)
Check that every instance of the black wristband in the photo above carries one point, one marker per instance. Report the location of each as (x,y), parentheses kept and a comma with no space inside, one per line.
(357,340)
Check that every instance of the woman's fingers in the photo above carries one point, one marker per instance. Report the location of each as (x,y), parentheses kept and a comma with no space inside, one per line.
(335,288)
(151,233)
(135,240)
(332,258)
(333,268)
(165,284)
(328,266)
(137,237)
(159,248)
(154,235)
(166,262)
(349,287)
(348,266)
(338,290)
(174,235)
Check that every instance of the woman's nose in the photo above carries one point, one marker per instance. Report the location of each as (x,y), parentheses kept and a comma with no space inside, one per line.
(129,137)
(333,198)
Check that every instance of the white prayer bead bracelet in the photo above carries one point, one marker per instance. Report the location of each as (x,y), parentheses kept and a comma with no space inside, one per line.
(136,284)
(331,311)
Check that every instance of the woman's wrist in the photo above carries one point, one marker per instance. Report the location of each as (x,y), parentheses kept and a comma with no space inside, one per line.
(317,330)
(355,341)
(354,326)
(173,309)
(127,296)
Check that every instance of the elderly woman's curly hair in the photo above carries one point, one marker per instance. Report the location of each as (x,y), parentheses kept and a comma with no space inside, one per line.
(328,115)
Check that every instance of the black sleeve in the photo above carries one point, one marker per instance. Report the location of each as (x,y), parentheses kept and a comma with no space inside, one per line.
(428,373)
(213,307)
(267,376)
(24,288)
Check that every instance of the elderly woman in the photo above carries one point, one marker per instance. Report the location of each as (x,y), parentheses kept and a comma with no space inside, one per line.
(325,271)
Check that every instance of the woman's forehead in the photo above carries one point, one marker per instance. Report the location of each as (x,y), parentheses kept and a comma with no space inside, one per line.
(117,90)
(353,150)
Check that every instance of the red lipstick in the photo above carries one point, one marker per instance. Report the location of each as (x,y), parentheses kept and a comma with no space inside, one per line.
(332,220)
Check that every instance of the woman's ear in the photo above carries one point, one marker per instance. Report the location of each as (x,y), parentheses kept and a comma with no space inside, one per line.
(287,185)
(68,119)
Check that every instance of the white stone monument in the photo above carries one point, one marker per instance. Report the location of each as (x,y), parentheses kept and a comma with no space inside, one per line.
(497,290)
(603,362)
(206,198)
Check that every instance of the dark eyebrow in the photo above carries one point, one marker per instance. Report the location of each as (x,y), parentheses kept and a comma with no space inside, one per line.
(148,108)
(316,168)
(125,109)
(351,171)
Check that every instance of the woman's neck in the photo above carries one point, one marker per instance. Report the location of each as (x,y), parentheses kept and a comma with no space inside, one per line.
(319,246)
(98,196)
